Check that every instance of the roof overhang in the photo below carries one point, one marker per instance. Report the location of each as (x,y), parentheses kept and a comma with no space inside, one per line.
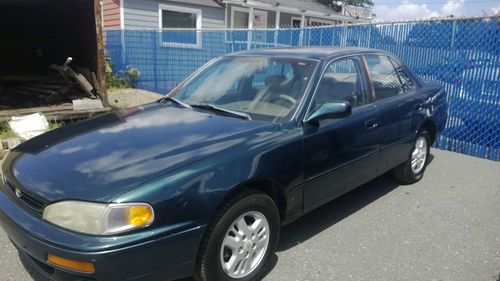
(293,10)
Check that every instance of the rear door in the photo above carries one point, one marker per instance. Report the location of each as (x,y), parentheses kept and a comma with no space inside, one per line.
(398,106)
(343,153)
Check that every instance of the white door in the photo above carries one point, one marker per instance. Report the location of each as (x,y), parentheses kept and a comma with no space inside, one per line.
(259,19)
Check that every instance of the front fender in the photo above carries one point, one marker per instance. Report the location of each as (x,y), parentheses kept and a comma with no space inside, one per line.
(191,195)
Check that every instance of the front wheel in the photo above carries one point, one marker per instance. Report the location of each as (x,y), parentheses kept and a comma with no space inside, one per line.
(413,169)
(241,239)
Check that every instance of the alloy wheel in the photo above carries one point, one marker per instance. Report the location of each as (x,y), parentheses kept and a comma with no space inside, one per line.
(419,155)
(245,244)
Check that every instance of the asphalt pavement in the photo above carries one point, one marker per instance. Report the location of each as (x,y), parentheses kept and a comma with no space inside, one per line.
(445,227)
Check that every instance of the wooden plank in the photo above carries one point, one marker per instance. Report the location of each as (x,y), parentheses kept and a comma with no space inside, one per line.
(67,72)
(85,72)
(44,79)
(42,109)
(65,115)
(62,114)
(84,84)
(45,86)
(38,91)
(95,83)
(100,67)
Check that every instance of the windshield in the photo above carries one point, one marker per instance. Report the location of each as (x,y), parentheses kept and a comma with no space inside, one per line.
(266,88)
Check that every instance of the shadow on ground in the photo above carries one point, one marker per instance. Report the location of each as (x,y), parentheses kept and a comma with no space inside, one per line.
(335,211)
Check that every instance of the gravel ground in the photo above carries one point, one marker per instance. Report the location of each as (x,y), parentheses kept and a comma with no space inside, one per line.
(124,98)
(446,227)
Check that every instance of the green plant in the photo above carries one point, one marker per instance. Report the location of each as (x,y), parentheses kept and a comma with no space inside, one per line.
(6,131)
(56,124)
(122,79)
(133,75)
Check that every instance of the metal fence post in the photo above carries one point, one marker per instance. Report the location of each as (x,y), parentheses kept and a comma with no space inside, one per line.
(369,35)
(156,41)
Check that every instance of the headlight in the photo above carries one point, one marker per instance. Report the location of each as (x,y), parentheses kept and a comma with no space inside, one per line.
(99,219)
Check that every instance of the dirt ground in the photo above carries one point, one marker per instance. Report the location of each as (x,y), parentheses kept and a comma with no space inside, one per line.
(124,98)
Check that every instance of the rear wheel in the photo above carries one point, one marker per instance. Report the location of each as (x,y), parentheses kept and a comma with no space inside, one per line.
(241,239)
(413,169)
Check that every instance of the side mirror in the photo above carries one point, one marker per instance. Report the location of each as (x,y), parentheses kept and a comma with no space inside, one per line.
(330,111)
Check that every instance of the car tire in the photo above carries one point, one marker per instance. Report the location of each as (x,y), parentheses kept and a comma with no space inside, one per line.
(252,251)
(413,169)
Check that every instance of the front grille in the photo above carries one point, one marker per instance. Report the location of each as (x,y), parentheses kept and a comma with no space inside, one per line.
(28,202)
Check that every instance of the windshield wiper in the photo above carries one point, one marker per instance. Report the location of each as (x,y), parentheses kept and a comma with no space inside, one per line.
(223,110)
(172,99)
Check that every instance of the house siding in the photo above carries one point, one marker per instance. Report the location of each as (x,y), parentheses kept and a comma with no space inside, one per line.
(143,14)
(111,14)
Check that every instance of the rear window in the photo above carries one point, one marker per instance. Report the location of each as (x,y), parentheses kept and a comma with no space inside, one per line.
(385,77)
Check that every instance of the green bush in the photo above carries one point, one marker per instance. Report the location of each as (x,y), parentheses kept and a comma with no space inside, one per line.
(121,80)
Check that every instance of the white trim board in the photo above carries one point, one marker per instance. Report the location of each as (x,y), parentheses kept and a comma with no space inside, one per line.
(239,9)
(122,15)
(199,20)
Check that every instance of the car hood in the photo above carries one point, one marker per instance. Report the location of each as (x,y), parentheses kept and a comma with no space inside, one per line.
(99,159)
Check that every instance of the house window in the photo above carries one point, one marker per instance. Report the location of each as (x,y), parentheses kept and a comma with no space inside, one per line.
(296,22)
(320,22)
(240,19)
(179,26)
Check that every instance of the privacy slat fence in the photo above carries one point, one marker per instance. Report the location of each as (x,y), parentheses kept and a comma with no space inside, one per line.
(462,54)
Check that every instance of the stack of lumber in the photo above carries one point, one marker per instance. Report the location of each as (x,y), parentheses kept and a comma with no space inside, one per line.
(63,84)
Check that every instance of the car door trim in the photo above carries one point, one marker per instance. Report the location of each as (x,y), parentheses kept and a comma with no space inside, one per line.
(336,169)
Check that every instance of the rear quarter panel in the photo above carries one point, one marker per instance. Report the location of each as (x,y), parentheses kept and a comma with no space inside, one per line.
(435,105)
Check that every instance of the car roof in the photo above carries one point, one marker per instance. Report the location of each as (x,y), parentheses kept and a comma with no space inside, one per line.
(316,53)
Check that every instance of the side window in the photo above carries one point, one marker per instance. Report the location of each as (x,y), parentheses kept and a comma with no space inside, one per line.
(384,76)
(342,81)
(408,83)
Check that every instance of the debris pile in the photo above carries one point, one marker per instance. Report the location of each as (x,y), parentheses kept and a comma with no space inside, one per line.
(62,84)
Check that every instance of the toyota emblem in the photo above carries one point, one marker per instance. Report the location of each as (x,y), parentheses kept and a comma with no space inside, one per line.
(18,193)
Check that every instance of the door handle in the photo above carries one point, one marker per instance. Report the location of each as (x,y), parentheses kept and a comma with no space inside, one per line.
(371,124)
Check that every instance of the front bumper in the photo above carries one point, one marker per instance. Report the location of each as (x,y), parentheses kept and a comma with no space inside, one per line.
(159,254)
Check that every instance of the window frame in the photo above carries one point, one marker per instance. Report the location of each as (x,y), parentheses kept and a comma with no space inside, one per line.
(396,63)
(241,10)
(391,59)
(294,18)
(364,76)
(180,9)
(322,22)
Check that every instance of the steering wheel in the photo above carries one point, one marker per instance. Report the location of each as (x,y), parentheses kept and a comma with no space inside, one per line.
(286,98)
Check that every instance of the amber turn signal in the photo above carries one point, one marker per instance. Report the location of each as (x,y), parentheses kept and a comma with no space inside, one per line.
(140,215)
(85,267)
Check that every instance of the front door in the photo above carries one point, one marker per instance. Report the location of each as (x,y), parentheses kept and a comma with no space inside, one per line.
(341,154)
(259,19)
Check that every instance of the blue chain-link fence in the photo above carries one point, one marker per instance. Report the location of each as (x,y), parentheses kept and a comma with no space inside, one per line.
(463,54)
